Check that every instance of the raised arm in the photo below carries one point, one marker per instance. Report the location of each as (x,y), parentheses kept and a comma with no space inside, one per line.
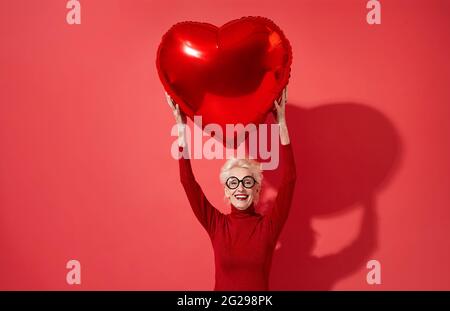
(206,213)
(283,201)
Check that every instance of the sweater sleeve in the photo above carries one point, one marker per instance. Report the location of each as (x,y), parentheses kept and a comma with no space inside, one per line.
(206,213)
(277,216)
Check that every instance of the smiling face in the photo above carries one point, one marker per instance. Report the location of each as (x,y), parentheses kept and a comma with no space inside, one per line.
(241,197)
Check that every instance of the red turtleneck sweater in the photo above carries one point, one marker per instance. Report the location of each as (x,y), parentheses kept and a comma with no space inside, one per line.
(243,241)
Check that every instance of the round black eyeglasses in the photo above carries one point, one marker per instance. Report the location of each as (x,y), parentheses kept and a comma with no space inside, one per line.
(233,182)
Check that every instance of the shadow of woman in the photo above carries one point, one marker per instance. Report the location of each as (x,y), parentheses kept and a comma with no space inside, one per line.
(345,154)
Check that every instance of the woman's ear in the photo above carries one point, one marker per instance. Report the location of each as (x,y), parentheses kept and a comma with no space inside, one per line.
(227,192)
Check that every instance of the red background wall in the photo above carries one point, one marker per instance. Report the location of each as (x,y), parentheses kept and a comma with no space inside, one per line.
(86,171)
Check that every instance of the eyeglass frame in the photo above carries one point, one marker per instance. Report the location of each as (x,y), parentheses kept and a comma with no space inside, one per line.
(241,181)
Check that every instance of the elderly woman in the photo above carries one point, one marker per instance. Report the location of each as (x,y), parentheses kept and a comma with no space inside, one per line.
(243,241)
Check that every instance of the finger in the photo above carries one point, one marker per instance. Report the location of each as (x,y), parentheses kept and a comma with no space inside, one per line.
(169,101)
(284,94)
(172,103)
(169,97)
(275,102)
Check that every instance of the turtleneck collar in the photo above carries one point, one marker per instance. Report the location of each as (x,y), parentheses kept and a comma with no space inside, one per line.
(249,211)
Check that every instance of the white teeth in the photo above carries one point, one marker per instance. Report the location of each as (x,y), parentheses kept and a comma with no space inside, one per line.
(241,197)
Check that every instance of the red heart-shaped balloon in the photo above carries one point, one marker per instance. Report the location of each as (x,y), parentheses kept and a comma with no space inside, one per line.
(227,75)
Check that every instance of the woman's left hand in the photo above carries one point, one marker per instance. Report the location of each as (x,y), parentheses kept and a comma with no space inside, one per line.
(280,116)
(280,107)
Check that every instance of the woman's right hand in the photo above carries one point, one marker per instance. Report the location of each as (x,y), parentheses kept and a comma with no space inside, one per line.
(180,118)
(179,115)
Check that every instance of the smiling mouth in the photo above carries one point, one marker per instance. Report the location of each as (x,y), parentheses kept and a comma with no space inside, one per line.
(241,197)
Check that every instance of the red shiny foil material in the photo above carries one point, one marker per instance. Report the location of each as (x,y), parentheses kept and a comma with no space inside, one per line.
(229,74)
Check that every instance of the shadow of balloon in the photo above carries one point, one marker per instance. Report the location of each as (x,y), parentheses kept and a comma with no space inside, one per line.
(345,154)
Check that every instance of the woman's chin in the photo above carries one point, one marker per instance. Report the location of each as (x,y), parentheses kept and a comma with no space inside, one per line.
(242,205)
